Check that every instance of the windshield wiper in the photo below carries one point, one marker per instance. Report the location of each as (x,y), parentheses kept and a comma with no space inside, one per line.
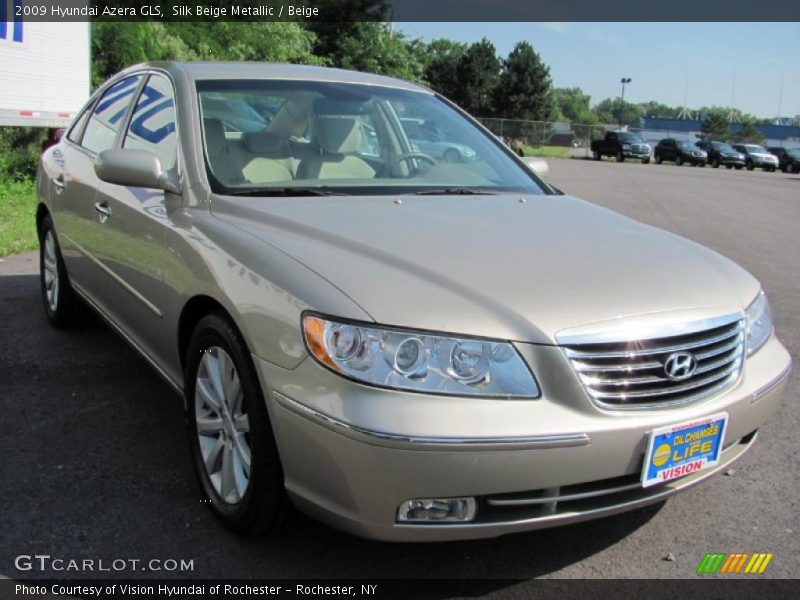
(454,191)
(286,191)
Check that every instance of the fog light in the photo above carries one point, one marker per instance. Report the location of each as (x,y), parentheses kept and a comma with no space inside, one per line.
(437,510)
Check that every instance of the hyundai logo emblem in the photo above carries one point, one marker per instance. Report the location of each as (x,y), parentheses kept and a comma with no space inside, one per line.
(680,365)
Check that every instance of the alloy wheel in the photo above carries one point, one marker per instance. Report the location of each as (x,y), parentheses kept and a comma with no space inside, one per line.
(223,428)
(51,281)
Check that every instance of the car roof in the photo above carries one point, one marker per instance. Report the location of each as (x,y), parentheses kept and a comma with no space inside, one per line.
(263,70)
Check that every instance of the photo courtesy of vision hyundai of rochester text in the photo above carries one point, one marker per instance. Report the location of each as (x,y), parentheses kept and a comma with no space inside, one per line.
(379,315)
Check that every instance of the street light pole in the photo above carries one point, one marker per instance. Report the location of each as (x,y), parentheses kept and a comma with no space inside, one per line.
(624,80)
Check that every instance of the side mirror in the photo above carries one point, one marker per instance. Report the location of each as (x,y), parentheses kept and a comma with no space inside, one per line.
(537,165)
(137,168)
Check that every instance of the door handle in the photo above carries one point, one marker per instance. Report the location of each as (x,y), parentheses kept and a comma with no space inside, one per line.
(60,183)
(104,211)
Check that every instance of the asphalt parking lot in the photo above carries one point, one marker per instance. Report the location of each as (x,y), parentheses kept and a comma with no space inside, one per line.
(95,462)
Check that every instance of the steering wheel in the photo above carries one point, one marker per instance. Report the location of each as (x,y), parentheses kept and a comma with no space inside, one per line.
(406,156)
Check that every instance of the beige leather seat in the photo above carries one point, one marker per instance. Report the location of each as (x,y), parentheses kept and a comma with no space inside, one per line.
(219,155)
(267,158)
(337,138)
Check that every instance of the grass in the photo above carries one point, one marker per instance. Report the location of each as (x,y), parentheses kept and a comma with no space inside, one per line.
(547,151)
(17,217)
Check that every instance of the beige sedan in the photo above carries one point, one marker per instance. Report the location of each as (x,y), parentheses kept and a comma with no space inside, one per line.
(405,347)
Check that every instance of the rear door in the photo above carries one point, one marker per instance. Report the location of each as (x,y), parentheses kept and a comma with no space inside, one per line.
(133,246)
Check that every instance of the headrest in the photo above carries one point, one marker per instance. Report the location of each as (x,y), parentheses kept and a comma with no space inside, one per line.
(263,142)
(337,134)
(215,136)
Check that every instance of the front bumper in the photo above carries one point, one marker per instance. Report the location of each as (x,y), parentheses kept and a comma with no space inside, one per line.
(636,153)
(351,454)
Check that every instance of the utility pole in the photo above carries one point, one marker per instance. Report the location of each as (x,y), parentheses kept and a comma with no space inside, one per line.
(623,81)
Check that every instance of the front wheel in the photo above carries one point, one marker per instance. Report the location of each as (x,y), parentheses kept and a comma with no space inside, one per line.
(715,163)
(620,156)
(645,161)
(750,166)
(658,159)
(62,307)
(233,448)
(679,160)
(596,155)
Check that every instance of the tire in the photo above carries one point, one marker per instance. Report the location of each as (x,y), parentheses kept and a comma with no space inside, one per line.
(715,163)
(749,165)
(620,156)
(785,168)
(679,160)
(452,155)
(596,155)
(62,307)
(645,161)
(234,422)
(738,167)
(657,158)
(702,165)
(796,168)
(770,169)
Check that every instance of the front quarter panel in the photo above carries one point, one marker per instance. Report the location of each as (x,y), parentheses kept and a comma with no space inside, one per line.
(264,290)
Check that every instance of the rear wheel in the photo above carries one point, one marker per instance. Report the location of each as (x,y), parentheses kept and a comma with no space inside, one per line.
(233,448)
(657,158)
(645,161)
(750,166)
(62,307)
(596,155)
(620,156)
(715,163)
(679,160)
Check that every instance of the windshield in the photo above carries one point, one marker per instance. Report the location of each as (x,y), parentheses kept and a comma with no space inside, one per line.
(721,147)
(753,149)
(630,138)
(274,137)
(687,146)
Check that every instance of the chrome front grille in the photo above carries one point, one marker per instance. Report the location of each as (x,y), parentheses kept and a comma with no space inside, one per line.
(643,373)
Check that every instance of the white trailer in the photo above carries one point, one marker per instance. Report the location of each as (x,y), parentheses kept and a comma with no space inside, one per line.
(44,71)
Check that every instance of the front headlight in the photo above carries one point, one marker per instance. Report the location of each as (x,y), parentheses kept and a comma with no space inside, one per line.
(419,361)
(758,323)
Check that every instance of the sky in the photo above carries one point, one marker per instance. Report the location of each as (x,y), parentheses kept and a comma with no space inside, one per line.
(718,60)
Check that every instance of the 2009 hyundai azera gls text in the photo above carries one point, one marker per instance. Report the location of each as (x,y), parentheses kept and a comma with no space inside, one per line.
(407,340)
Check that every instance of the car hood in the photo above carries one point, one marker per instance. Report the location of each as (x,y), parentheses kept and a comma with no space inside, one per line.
(502,266)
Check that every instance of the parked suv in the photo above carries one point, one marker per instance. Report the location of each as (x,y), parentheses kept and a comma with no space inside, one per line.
(788,158)
(680,151)
(757,156)
(721,153)
(621,145)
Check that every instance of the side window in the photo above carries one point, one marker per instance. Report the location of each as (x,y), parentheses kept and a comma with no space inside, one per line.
(77,126)
(152,125)
(102,127)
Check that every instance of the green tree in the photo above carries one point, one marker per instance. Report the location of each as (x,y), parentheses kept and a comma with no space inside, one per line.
(657,109)
(525,90)
(118,45)
(442,58)
(478,74)
(612,111)
(749,133)
(374,48)
(334,39)
(573,106)
(715,123)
